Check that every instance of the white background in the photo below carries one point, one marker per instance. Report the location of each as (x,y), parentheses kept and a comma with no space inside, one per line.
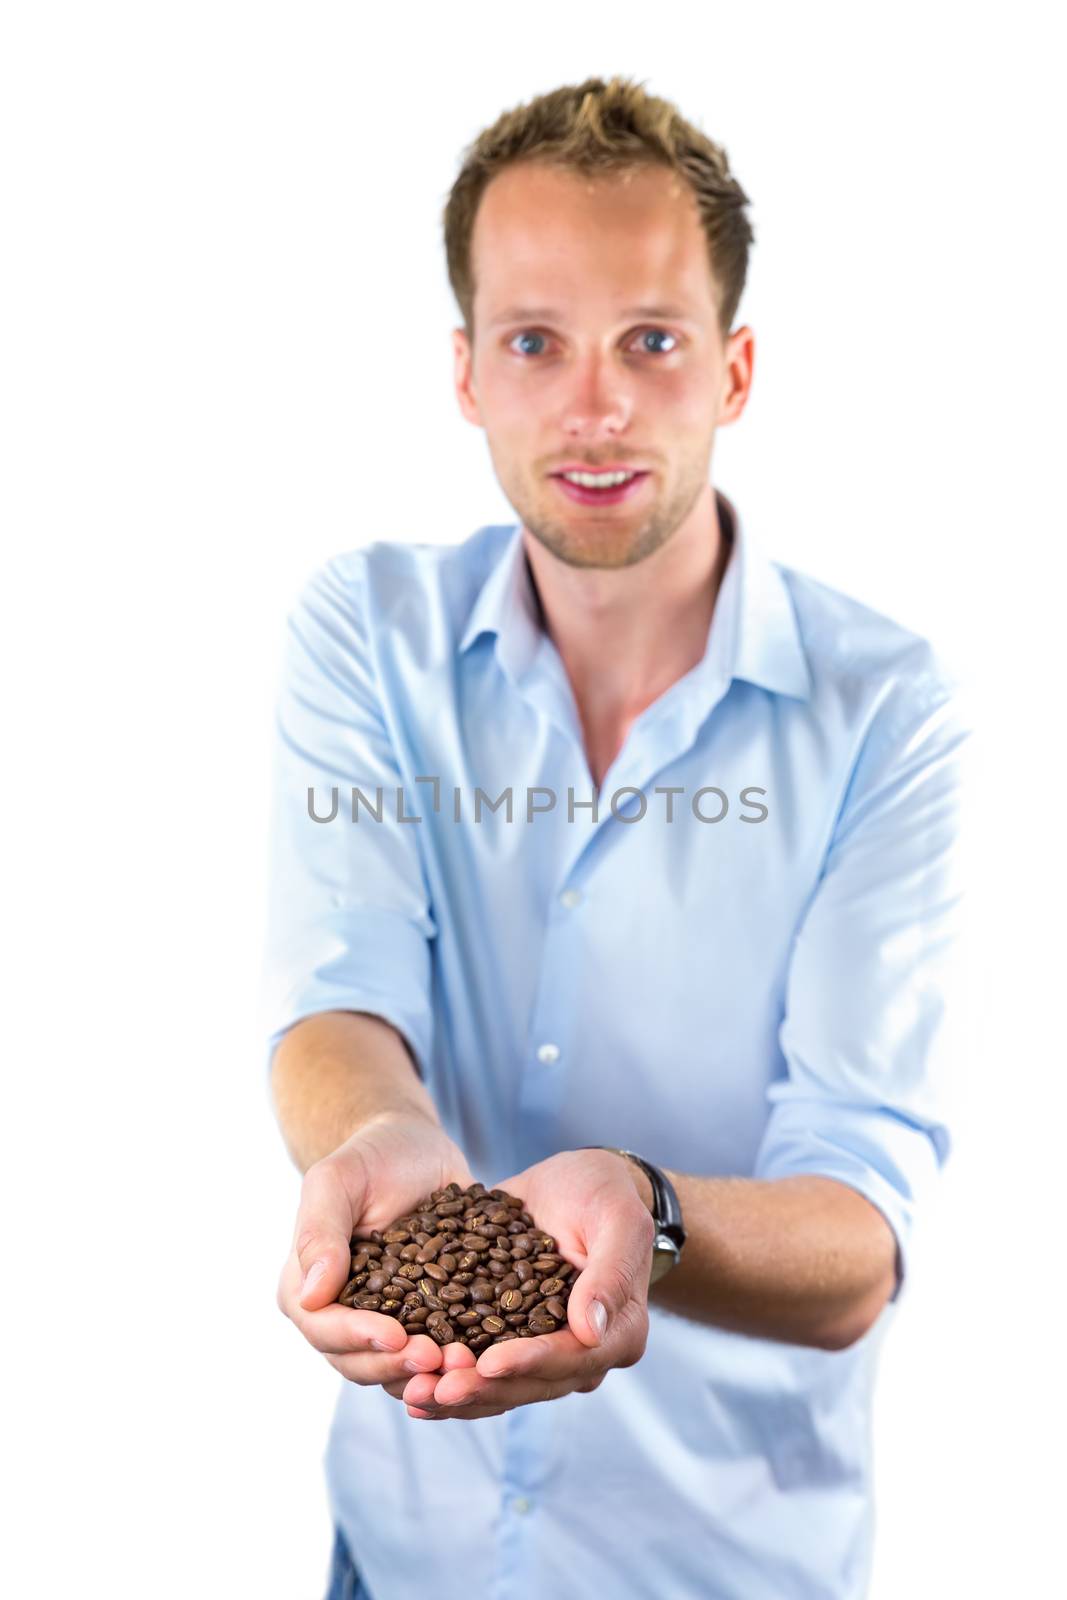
(225,356)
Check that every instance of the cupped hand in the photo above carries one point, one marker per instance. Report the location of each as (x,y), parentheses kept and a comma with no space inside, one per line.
(374,1177)
(588,1202)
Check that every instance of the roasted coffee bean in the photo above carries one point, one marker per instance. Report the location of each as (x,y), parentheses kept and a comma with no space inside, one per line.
(466,1265)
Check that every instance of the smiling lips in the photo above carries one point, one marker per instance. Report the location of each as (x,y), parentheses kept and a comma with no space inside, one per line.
(588,495)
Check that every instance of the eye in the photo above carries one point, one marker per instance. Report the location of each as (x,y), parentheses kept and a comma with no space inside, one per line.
(647,333)
(659,333)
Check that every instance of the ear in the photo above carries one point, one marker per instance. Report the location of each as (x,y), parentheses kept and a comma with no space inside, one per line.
(737,380)
(463,376)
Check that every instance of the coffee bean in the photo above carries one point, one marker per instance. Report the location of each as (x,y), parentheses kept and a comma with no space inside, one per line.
(466,1265)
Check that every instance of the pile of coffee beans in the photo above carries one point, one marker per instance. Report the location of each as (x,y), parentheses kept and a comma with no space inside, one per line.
(466,1266)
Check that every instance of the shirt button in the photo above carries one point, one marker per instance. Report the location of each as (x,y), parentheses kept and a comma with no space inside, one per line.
(570,898)
(521,1505)
(548,1053)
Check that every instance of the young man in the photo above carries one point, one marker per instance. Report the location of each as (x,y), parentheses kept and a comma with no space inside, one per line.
(655,852)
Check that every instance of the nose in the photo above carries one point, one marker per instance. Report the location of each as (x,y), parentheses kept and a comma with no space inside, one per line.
(598,402)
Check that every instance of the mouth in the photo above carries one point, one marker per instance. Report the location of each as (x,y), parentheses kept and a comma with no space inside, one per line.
(583,495)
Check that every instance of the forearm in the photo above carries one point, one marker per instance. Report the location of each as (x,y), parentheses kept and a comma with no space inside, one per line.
(332,1073)
(805,1260)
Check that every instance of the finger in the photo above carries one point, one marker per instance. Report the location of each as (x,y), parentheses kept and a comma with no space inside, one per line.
(323,1232)
(548,1355)
(473,1397)
(338,1330)
(616,1271)
(393,1368)
(420,1388)
(456,1355)
(368,1368)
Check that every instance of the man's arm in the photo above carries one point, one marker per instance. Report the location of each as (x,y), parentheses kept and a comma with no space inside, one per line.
(805,1260)
(333,1072)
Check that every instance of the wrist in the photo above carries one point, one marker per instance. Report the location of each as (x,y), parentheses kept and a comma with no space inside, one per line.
(641,1183)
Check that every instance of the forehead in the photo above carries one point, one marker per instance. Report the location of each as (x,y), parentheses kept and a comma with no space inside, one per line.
(545,237)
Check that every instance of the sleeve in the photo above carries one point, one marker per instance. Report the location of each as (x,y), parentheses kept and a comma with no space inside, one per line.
(870,1018)
(348,916)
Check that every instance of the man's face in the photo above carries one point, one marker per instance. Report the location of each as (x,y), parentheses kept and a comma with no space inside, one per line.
(564,371)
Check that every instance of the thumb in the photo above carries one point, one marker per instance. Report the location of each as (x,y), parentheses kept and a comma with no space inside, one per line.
(322,1240)
(615,1274)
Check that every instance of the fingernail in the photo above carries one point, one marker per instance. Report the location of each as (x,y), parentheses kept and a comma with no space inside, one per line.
(376,1344)
(312,1276)
(598,1318)
(412,1366)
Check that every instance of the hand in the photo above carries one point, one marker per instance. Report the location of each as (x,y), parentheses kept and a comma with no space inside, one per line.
(591,1206)
(373,1178)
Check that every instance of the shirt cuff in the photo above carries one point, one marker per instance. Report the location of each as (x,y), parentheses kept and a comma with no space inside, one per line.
(888,1158)
(362,959)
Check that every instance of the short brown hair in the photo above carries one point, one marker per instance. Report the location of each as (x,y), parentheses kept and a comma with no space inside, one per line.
(599,127)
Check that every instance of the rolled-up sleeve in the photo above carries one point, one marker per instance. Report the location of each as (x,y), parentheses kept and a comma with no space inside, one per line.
(349,922)
(873,985)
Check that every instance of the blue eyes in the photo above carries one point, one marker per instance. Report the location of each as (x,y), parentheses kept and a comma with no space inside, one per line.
(649,333)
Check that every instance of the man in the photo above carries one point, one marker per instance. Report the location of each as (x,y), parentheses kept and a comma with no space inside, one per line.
(655,851)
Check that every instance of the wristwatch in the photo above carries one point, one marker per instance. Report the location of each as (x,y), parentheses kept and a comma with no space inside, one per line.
(666,1213)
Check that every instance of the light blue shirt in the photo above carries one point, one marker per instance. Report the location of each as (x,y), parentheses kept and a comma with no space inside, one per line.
(759,995)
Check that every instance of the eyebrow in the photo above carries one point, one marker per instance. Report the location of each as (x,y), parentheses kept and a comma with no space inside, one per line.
(550,314)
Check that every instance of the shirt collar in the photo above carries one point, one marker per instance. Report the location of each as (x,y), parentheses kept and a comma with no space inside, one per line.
(754,633)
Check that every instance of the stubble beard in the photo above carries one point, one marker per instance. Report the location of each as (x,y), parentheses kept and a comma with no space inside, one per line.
(613,538)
